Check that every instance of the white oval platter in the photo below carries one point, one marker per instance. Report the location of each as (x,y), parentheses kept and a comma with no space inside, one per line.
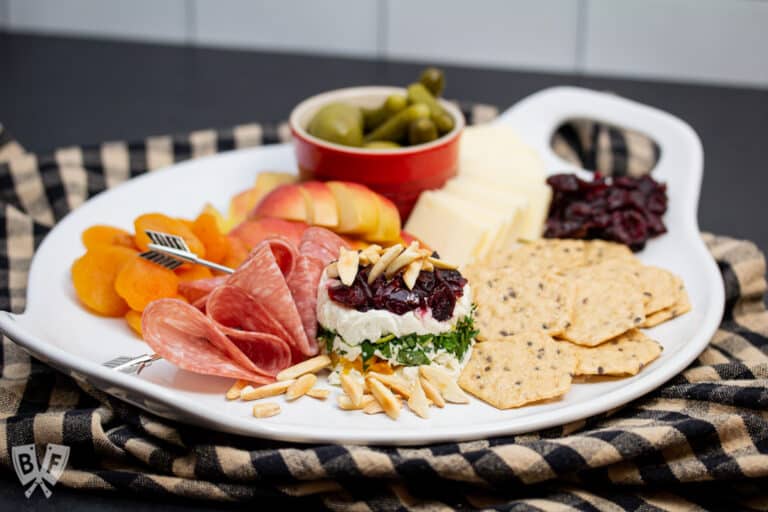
(57,330)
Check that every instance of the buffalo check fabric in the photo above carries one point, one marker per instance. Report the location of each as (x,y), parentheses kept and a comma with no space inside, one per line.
(698,442)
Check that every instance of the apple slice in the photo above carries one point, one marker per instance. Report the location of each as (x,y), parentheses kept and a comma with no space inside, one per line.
(358,207)
(321,205)
(242,203)
(388,227)
(285,202)
(239,206)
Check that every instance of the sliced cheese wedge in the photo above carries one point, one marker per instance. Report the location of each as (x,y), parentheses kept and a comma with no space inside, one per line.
(513,205)
(459,230)
(539,196)
(496,150)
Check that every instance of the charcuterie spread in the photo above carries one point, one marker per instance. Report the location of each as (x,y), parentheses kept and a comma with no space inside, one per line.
(495,283)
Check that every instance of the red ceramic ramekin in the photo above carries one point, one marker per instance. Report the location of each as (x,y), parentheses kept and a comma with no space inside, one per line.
(400,174)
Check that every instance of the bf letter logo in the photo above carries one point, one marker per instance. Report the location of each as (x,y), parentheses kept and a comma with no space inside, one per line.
(26,465)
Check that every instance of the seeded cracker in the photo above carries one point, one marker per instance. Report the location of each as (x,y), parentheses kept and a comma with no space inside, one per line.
(682,305)
(624,355)
(546,255)
(598,251)
(525,368)
(659,288)
(512,301)
(608,301)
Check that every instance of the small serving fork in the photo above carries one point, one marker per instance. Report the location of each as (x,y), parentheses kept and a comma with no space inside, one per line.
(169,251)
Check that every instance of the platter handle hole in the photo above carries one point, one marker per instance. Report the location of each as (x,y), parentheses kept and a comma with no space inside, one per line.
(611,150)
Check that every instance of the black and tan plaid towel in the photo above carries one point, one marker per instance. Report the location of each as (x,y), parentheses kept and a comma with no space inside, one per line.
(698,442)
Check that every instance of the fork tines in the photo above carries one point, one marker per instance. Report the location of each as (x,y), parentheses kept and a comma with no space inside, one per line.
(167,240)
(161,259)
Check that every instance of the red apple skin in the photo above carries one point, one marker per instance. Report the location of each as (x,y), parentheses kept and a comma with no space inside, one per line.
(321,204)
(284,202)
(253,231)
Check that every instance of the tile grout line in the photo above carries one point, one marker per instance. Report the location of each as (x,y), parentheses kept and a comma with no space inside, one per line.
(582,26)
(190,22)
(382,27)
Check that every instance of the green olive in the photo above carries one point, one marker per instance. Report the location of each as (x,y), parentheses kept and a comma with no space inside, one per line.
(417,93)
(443,122)
(395,128)
(434,80)
(375,117)
(338,122)
(381,144)
(421,131)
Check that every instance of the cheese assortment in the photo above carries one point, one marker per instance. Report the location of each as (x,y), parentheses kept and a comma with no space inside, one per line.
(499,196)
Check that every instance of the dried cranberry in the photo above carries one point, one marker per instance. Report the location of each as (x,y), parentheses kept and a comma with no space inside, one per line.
(442,301)
(624,209)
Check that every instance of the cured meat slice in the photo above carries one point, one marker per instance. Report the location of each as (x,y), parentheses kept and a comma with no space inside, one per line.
(321,244)
(303,283)
(263,276)
(188,339)
(234,309)
(195,290)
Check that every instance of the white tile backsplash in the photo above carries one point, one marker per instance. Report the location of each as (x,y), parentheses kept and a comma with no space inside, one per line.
(347,27)
(3,14)
(512,34)
(150,20)
(703,40)
(720,41)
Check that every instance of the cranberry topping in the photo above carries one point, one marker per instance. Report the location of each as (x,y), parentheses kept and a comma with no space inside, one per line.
(437,290)
(624,209)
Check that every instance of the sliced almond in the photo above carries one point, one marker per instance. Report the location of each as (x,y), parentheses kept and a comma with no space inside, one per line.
(418,402)
(445,383)
(319,393)
(349,261)
(234,392)
(313,365)
(411,273)
(427,266)
(273,389)
(393,382)
(301,386)
(266,409)
(332,270)
(346,403)
(385,397)
(353,388)
(431,392)
(404,259)
(386,258)
(373,408)
(442,264)
(370,255)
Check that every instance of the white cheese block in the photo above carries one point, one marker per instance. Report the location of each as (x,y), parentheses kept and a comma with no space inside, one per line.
(459,230)
(538,195)
(496,150)
(513,205)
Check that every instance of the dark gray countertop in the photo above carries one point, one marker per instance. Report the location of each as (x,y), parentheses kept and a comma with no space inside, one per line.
(57,91)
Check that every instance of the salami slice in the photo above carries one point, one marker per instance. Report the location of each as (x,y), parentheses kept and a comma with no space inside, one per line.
(321,244)
(303,283)
(195,290)
(188,339)
(234,309)
(263,276)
